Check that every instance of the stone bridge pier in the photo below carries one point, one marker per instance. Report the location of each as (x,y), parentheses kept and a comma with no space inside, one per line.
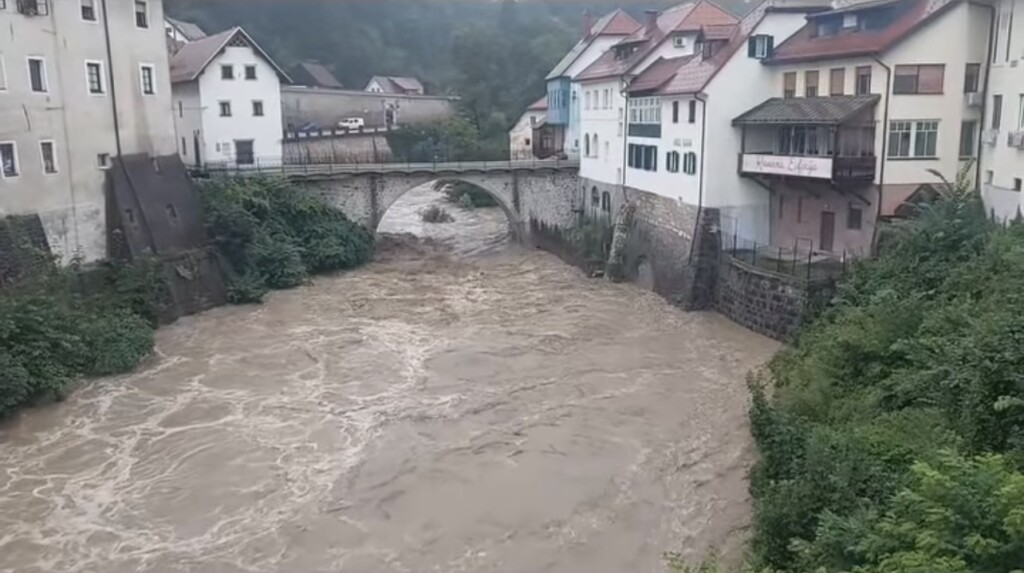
(546,196)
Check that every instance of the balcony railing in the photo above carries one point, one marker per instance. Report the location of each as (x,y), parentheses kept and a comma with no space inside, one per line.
(837,170)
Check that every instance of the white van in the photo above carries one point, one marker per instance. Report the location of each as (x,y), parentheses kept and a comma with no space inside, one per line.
(351,123)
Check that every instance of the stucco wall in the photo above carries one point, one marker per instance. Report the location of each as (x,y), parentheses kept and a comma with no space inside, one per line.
(1000,163)
(326,107)
(71,203)
(604,167)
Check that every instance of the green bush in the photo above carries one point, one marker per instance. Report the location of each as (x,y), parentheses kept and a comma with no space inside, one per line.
(465,195)
(911,378)
(436,214)
(273,236)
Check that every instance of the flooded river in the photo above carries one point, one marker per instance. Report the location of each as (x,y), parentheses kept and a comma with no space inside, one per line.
(480,407)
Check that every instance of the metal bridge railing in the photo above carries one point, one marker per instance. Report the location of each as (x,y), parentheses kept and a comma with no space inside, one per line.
(281,166)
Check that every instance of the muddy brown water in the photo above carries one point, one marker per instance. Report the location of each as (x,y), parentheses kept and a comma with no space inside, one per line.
(469,407)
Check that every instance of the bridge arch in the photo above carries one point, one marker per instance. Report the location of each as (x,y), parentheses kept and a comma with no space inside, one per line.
(497,187)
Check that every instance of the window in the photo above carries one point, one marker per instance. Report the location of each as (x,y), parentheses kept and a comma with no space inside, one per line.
(606,202)
(595,147)
(789,85)
(586,100)
(971,76)
(997,111)
(250,72)
(989,176)
(675,112)
(926,79)
(1020,113)
(1016,183)
(94,77)
(586,145)
(88,8)
(103,160)
(607,99)
(913,138)
(37,74)
(863,80)
(679,41)
(8,159)
(693,111)
(760,46)
(854,218)
(227,72)
(837,82)
(643,157)
(48,156)
(968,135)
(672,162)
(690,163)
(147,75)
(3,74)
(141,14)
(184,147)
(244,154)
(645,110)
(257,108)
(811,83)
(225,109)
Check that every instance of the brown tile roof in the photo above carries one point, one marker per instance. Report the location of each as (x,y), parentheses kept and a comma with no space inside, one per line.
(834,110)
(804,46)
(658,73)
(616,23)
(718,31)
(397,84)
(190,61)
(682,18)
(539,105)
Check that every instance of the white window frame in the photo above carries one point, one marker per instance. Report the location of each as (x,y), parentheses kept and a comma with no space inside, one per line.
(104,161)
(102,76)
(263,108)
(135,19)
(760,47)
(915,132)
(43,75)
(142,79)
(42,157)
(95,11)
(17,163)
(220,108)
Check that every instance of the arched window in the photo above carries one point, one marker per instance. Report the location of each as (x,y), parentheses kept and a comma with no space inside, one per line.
(606,202)
(690,163)
(586,145)
(595,147)
(606,152)
(595,199)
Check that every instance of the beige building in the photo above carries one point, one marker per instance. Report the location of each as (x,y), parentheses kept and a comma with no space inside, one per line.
(81,83)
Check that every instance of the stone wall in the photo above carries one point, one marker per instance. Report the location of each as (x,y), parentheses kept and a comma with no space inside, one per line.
(326,107)
(769,303)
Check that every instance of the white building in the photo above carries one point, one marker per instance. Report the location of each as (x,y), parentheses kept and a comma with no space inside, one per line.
(1002,150)
(227,101)
(394,85)
(78,87)
(521,139)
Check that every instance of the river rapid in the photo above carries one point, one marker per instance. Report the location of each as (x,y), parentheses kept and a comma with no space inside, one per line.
(461,404)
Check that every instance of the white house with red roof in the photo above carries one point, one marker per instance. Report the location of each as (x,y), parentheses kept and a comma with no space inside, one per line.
(865,101)
(521,140)
(1002,149)
(564,100)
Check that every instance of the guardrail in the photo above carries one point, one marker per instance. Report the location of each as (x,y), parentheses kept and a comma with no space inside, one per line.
(277,166)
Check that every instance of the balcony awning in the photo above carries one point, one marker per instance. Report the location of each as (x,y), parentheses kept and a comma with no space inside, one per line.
(835,110)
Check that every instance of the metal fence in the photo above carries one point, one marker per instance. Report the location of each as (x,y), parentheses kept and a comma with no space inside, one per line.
(799,260)
(283,166)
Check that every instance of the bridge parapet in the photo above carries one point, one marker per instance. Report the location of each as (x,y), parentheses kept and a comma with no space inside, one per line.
(261,166)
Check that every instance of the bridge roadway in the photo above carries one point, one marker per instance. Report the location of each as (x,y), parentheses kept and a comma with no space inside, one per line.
(440,167)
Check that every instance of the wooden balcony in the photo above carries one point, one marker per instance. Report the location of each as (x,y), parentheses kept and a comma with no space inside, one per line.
(840,171)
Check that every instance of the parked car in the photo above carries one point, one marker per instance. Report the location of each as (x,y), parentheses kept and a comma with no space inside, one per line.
(352,123)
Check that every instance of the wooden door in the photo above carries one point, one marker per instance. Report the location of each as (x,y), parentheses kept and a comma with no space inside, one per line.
(828,230)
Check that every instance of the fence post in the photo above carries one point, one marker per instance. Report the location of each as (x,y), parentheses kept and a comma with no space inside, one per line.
(810,255)
(258,169)
(734,239)
(778,262)
(753,258)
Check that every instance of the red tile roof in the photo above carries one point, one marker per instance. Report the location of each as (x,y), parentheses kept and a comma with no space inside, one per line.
(658,73)
(539,105)
(804,46)
(620,24)
(692,16)
(718,31)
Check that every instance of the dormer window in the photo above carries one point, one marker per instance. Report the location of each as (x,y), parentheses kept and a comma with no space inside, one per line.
(760,46)
(680,42)
(849,21)
(710,47)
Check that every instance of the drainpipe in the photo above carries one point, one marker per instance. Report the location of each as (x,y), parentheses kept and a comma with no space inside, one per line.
(700,178)
(625,136)
(984,92)
(885,152)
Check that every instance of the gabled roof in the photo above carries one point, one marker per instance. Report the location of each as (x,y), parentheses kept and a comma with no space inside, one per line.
(805,45)
(690,17)
(396,84)
(616,23)
(833,110)
(539,105)
(192,32)
(320,75)
(694,74)
(190,61)
(658,74)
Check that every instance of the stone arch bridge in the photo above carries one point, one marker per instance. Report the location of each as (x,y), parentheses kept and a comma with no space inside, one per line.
(544,191)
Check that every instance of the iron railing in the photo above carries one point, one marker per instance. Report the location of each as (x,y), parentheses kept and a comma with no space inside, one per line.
(278,165)
(800,260)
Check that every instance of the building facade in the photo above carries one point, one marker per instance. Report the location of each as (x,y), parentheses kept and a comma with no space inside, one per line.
(521,140)
(227,102)
(79,87)
(1002,149)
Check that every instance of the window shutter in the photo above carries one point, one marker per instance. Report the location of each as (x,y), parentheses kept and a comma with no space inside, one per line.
(771,46)
(751,46)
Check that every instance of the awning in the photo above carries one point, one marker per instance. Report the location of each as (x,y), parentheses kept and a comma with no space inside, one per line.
(834,110)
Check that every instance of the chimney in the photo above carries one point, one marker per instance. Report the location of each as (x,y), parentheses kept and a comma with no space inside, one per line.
(588,24)
(652,20)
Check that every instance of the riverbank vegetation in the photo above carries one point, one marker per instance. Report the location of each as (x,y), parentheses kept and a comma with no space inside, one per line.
(59,324)
(891,436)
(465,195)
(272,236)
